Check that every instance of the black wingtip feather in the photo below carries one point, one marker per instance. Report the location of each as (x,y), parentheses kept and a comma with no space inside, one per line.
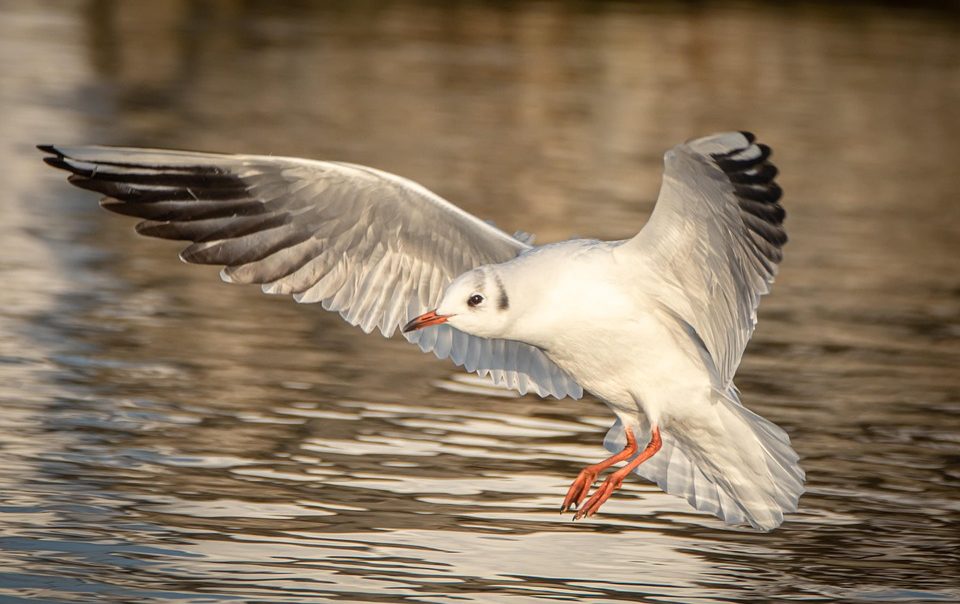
(752,177)
(57,162)
(756,174)
(234,252)
(769,193)
(83,182)
(48,149)
(770,212)
(729,164)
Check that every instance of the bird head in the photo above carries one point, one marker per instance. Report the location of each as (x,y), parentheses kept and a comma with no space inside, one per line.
(476,303)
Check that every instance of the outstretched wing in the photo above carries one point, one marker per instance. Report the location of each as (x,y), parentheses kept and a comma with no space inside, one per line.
(375,247)
(716,237)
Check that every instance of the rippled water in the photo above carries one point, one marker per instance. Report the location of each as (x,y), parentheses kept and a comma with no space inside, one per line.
(167,437)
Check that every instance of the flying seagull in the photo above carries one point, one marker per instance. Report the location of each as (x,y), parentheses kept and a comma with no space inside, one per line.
(654,325)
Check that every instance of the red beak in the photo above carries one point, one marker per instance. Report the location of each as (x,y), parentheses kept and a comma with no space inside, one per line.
(425,320)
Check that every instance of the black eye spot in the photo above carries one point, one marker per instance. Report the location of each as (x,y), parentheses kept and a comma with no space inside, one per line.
(474,300)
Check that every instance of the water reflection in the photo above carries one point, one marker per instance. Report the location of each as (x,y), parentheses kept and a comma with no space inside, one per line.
(168,437)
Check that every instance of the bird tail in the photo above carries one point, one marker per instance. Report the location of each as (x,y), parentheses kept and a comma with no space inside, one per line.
(743,472)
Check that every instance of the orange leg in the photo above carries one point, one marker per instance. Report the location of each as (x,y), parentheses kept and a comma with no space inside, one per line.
(613,482)
(581,485)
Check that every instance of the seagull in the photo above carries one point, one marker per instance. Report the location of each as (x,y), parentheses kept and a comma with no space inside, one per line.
(654,325)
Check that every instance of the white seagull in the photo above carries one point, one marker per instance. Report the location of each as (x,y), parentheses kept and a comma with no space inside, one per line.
(654,325)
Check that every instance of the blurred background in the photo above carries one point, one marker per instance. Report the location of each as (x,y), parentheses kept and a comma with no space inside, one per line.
(167,437)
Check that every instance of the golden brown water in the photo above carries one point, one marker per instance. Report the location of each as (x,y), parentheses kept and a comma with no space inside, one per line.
(167,437)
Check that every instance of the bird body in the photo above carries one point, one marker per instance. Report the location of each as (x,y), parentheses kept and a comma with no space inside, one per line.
(597,311)
(584,304)
(654,325)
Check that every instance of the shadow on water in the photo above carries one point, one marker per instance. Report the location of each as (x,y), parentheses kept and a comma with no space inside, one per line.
(166,437)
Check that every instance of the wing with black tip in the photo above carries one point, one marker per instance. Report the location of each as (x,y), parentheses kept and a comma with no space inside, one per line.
(375,247)
(715,238)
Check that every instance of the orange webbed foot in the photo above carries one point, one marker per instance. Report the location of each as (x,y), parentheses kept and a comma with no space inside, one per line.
(580,488)
(581,485)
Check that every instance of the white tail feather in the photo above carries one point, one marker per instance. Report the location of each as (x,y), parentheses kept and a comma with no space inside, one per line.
(755,480)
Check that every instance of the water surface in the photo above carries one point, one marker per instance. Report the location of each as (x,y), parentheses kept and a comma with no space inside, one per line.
(167,437)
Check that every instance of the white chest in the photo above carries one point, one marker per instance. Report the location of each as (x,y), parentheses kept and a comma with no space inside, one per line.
(594,319)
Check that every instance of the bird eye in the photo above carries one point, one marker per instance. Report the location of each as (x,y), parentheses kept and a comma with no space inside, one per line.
(474,300)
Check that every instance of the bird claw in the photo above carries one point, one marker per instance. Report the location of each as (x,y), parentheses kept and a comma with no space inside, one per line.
(600,496)
(579,489)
